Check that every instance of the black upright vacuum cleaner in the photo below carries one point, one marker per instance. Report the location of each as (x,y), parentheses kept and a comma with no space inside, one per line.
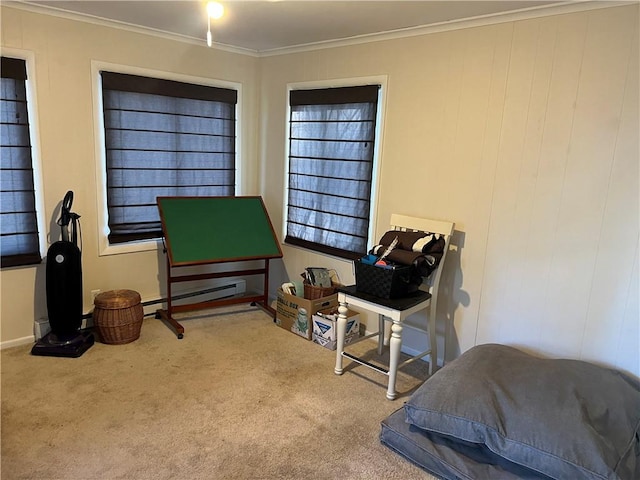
(64,292)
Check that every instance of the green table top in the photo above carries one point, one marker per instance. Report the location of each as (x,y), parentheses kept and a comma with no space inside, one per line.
(201,230)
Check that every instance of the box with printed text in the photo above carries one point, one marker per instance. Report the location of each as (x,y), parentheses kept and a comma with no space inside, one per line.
(325,324)
(287,310)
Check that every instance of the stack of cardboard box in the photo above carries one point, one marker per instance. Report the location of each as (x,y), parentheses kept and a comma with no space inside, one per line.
(288,312)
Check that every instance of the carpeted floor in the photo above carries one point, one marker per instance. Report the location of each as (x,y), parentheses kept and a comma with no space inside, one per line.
(236,398)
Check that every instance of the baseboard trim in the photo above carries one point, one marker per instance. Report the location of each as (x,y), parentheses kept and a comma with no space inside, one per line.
(150,306)
(17,342)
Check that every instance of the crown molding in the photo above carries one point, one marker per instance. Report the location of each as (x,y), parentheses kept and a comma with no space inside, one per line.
(471,22)
(82,17)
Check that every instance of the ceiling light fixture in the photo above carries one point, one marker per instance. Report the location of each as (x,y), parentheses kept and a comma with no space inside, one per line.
(215,10)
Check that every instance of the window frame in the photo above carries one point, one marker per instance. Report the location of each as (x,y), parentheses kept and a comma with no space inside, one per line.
(104,247)
(377,152)
(36,158)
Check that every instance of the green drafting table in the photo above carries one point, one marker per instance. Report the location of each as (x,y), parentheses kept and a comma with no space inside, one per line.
(213,230)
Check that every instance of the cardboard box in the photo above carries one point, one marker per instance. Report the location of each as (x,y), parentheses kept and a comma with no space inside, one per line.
(287,311)
(325,325)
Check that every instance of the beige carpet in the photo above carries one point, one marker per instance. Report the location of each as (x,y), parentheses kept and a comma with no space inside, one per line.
(236,398)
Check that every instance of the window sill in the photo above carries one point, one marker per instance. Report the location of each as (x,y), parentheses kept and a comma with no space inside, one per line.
(131,247)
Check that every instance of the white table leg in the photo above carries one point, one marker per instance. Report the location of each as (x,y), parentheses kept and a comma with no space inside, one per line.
(341,331)
(380,333)
(395,343)
(433,356)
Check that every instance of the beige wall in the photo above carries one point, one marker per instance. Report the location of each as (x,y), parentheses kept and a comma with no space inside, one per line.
(525,134)
(63,51)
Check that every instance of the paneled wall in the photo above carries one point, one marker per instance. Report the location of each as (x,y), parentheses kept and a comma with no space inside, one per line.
(563,228)
(525,134)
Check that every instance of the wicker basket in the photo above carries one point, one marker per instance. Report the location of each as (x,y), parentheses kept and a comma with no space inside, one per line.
(117,316)
(311,292)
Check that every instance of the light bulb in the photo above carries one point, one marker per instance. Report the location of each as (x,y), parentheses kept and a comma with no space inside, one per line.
(215,10)
(209,40)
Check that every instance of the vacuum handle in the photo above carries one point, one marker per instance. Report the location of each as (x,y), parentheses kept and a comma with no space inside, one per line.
(65,215)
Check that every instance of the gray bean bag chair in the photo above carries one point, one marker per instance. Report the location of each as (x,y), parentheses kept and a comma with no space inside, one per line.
(498,413)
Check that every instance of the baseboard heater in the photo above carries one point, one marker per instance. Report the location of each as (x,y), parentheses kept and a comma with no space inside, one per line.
(233,288)
(213,293)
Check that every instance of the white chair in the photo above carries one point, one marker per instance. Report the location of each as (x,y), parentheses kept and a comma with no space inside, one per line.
(396,310)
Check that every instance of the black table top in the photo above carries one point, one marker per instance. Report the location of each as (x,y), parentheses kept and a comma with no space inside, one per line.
(404,303)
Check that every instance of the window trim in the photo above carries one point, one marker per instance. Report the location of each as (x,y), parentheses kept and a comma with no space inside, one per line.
(377,153)
(104,248)
(29,58)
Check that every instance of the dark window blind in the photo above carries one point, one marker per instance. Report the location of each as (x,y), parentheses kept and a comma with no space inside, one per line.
(331,148)
(19,243)
(163,138)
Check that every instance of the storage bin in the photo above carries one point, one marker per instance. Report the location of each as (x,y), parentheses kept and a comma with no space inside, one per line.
(117,316)
(386,282)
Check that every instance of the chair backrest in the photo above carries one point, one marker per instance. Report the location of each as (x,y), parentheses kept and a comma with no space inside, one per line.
(414,224)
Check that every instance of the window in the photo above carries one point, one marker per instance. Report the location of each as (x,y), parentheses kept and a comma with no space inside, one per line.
(163,138)
(331,151)
(19,241)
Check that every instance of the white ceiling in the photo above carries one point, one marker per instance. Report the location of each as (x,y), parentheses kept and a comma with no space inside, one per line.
(263,26)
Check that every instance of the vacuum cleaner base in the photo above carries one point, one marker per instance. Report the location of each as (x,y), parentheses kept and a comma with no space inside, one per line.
(73,345)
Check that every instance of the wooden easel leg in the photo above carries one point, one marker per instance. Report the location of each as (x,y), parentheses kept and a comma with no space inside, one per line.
(166,315)
(264,304)
(168,319)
